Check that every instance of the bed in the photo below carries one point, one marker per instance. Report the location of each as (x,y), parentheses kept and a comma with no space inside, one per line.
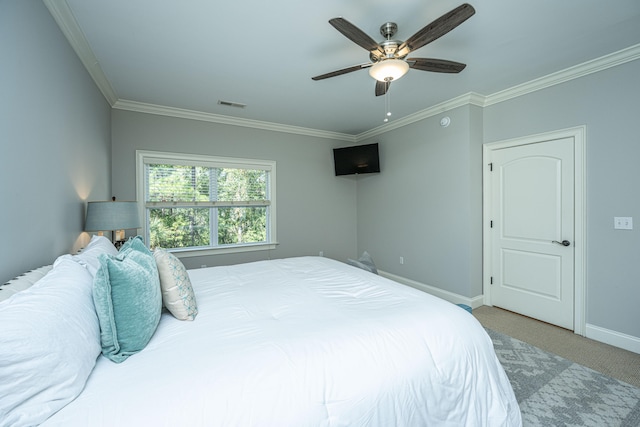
(305,341)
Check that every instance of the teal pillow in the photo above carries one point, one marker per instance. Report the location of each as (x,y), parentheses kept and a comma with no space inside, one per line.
(128,301)
(137,244)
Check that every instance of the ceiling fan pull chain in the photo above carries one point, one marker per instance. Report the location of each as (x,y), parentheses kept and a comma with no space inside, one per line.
(387,105)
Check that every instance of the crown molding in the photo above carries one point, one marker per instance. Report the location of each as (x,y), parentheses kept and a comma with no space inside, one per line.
(63,16)
(614,59)
(141,107)
(470,98)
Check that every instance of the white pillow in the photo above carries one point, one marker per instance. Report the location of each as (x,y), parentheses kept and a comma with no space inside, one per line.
(49,342)
(177,292)
(89,255)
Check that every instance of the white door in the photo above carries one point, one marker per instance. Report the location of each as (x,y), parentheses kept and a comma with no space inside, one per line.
(532,230)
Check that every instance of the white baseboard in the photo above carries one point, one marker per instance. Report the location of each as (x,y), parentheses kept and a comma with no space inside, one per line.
(607,336)
(616,339)
(474,302)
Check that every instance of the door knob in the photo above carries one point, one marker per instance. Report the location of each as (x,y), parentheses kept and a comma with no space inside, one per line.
(563,243)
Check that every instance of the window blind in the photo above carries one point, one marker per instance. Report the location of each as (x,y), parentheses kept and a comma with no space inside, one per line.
(192,185)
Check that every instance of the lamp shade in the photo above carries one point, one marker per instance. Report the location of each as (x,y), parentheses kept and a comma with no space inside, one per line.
(389,69)
(107,216)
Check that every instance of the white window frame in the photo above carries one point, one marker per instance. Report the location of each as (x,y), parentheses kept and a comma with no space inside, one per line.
(143,157)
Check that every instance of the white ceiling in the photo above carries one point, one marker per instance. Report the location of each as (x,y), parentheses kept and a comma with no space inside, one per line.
(189,54)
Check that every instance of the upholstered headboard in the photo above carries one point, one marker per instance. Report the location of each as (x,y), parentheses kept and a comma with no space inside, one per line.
(25,280)
(22,282)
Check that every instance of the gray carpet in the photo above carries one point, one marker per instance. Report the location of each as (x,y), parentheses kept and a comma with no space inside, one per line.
(553,391)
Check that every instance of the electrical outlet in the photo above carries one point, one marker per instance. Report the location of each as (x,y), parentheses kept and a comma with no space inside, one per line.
(623,223)
(203,266)
(401,260)
(321,253)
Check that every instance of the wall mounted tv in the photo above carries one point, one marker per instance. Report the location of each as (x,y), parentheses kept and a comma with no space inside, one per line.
(356,160)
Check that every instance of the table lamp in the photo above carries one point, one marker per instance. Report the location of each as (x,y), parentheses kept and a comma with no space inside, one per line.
(112,216)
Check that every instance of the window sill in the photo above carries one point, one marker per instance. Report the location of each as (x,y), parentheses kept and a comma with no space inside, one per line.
(250,247)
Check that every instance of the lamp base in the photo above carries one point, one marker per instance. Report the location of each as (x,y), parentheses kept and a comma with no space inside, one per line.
(118,238)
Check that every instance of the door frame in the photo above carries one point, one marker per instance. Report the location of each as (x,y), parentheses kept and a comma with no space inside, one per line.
(578,134)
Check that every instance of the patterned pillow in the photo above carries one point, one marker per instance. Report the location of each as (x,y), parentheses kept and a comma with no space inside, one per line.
(177,292)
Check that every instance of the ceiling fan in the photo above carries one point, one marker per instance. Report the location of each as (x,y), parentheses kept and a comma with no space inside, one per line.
(389,58)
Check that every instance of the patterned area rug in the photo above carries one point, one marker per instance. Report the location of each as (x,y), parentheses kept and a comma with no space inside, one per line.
(553,391)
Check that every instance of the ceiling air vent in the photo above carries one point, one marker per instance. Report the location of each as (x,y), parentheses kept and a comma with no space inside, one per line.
(231,104)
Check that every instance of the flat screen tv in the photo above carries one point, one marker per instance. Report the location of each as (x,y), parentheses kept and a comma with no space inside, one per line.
(356,160)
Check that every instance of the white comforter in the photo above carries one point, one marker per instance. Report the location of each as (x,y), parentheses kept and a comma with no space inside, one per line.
(304,342)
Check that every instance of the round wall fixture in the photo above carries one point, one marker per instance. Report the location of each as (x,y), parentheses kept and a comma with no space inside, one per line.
(445,121)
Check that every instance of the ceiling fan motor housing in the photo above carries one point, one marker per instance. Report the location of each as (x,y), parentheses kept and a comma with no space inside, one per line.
(388,29)
(390,47)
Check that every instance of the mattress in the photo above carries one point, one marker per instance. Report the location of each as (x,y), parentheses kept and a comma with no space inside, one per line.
(303,341)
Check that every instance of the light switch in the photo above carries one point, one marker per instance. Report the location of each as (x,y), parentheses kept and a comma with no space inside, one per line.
(623,223)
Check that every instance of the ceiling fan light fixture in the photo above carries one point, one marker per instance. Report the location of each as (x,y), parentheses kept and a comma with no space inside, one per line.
(389,69)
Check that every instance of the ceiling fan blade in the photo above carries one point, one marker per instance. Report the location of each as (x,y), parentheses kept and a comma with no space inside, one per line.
(435,65)
(382,87)
(342,71)
(355,34)
(437,28)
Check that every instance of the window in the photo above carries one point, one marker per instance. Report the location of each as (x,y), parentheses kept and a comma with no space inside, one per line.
(195,204)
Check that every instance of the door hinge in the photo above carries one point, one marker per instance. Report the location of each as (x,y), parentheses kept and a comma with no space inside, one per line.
(491,281)
(490,167)
(491,224)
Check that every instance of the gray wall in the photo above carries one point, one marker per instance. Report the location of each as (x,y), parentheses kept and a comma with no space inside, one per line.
(607,103)
(316,211)
(55,140)
(424,206)
(426,203)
